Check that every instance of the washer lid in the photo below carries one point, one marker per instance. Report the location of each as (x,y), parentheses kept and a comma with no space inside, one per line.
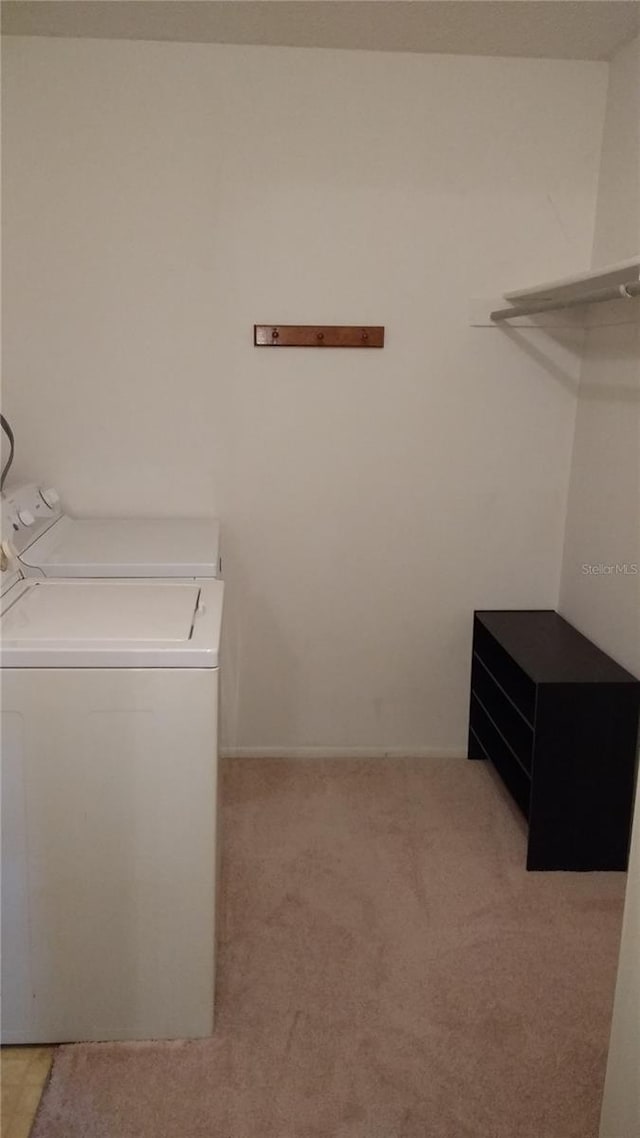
(83,610)
(127,547)
(124,624)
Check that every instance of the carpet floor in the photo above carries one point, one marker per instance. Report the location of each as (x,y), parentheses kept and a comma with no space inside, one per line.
(388,969)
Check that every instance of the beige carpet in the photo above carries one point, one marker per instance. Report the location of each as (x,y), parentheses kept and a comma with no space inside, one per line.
(388,970)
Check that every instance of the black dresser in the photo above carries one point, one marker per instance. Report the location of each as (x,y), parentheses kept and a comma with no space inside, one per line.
(558,719)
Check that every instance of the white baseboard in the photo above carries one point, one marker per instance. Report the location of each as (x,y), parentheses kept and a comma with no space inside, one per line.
(342,752)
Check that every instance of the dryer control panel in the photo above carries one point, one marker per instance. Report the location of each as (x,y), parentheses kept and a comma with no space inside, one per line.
(27,512)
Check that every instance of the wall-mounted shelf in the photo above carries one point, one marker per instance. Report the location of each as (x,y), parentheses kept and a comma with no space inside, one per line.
(568,301)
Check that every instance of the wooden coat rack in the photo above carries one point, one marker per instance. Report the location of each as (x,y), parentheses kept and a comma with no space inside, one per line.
(318,336)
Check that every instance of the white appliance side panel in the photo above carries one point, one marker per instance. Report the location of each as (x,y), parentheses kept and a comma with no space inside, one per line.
(16,962)
(117,770)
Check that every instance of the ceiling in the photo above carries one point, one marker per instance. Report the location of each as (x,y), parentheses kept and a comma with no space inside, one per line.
(557,29)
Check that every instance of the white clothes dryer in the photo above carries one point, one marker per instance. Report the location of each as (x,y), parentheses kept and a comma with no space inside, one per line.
(50,543)
(109,836)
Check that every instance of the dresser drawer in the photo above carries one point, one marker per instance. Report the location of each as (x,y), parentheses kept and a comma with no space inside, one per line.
(517,731)
(493,747)
(515,683)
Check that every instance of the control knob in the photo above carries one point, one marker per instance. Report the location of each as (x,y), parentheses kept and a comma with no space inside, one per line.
(26,517)
(50,497)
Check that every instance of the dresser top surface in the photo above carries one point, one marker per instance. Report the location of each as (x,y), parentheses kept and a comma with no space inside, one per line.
(549,649)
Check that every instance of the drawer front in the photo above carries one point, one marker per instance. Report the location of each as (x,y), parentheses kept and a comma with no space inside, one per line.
(488,740)
(515,683)
(509,721)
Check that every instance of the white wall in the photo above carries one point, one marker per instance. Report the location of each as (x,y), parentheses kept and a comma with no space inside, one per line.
(603,523)
(603,514)
(160,199)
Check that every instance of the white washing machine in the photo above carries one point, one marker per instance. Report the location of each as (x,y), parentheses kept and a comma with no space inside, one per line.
(49,543)
(109,834)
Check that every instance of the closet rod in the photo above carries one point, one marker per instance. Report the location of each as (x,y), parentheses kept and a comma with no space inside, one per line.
(613,292)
